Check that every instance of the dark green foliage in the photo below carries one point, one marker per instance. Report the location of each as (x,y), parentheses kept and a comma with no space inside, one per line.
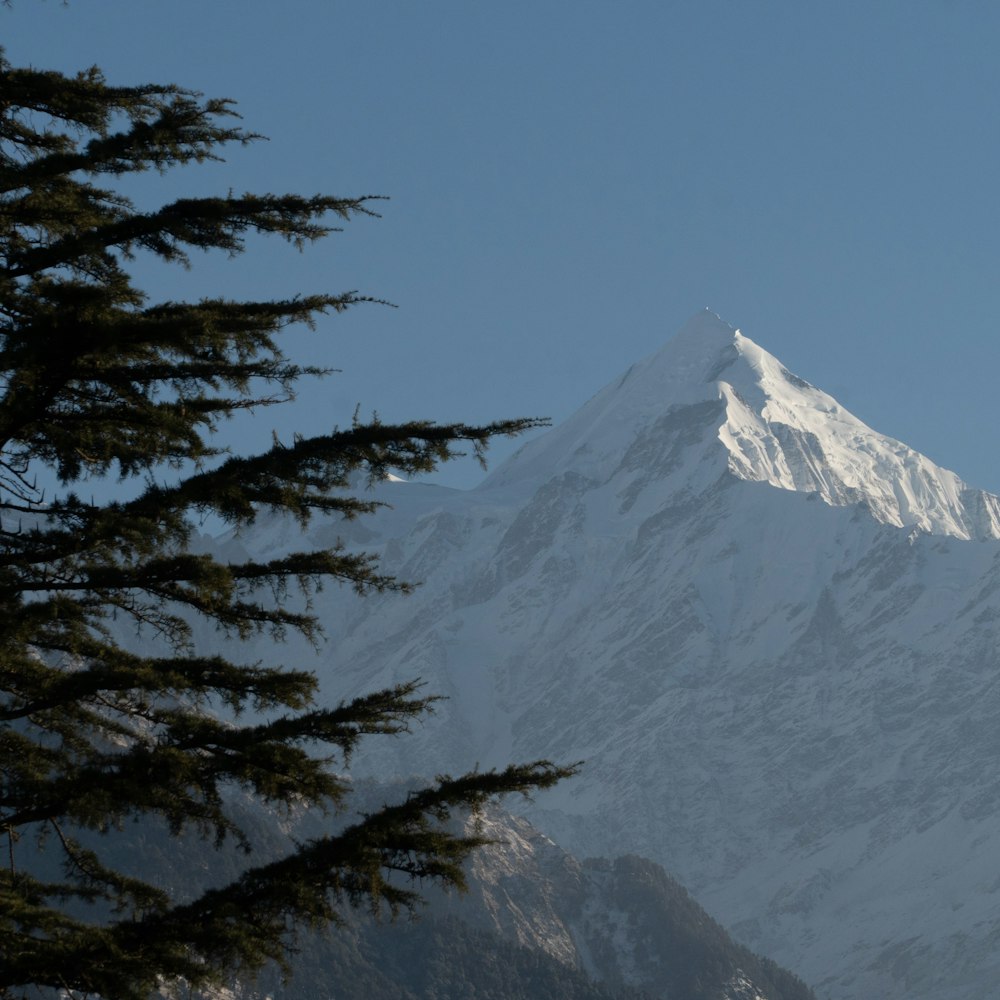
(97,381)
(632,923)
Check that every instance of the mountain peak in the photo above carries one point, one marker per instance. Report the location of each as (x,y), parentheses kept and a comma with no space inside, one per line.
(704,333)
(692,358)
(744,414)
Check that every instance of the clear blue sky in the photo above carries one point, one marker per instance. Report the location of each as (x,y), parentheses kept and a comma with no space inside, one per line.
(571,180)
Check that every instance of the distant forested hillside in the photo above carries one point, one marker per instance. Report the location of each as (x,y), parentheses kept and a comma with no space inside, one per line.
(536,924)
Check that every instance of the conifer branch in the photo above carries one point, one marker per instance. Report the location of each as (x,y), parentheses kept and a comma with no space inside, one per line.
(97,382)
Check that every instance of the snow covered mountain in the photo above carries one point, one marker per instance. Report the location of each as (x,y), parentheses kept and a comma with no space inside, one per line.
(773,427)
(770,632)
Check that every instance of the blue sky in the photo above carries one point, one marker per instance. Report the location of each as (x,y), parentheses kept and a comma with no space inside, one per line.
(570,181)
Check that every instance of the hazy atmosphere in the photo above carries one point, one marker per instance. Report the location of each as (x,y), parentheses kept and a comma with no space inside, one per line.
(695,693)
(570,182)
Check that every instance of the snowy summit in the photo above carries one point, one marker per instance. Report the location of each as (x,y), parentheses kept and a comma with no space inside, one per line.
(772,426)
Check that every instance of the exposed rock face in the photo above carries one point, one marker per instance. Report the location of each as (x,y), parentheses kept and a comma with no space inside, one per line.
(769,631)
(537,924)
(625,923)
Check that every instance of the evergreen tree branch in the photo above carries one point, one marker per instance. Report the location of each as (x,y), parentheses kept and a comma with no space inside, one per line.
(95,381)
(205,223)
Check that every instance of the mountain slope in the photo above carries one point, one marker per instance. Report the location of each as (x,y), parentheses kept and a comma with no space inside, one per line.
(539,924)
(771,633)
(535,924)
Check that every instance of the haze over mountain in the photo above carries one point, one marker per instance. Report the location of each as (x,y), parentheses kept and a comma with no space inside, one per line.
(769,631)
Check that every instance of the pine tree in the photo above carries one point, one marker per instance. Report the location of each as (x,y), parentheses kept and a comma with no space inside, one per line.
(98,381)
